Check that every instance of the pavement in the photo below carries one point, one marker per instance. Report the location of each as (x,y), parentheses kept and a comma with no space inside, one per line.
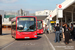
(61,45)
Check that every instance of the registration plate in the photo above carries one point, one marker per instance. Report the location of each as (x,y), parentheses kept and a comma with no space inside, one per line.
(26,37)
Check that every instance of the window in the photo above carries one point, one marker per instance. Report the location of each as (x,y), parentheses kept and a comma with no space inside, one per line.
(39,23)
(46,12)
(26,24)
(13,25)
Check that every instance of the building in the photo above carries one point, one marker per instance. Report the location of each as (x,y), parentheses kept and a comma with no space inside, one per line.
(32,14)
(11,13)
(43,13)
(23,13)
(64,13)
(68,11)
(8,15)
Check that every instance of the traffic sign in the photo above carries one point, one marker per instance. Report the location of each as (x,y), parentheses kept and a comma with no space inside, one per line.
(57,21)
(60,6)
(60,13)
(50,15)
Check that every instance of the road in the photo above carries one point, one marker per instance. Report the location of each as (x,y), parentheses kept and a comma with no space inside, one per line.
(41,43)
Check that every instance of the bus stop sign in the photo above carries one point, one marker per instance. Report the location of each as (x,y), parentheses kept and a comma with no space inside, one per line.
(60,6)
(50,15)
(50,18)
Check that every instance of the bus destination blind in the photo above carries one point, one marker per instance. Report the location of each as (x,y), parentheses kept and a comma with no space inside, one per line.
(26,19)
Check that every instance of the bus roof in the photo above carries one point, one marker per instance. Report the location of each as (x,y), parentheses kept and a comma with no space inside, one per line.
(39,20)
(21,16)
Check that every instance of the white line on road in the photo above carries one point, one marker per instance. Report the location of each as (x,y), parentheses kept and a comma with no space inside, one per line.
(49,42)
(8,45)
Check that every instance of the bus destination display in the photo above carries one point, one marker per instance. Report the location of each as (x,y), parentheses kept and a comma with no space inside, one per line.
(26,19)
(39,22)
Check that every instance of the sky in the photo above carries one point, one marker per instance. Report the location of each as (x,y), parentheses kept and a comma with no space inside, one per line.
(29,5)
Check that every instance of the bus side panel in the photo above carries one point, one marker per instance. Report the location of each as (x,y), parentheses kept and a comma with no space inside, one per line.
(13,30)
(16,27)
(40,31)
(13,33)
(36,25)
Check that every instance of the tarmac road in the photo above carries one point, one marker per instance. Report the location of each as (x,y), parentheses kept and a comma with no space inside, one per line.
(41,43)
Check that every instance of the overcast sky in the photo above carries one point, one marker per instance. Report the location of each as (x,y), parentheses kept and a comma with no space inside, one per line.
(29,5)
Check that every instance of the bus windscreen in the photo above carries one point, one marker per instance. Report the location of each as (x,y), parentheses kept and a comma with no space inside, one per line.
(39,23)
(26,24)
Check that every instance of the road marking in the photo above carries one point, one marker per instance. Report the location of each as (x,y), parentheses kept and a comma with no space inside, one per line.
(8,45)
(29,44)
(49,42)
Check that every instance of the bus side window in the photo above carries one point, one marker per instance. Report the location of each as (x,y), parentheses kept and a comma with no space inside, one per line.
(13,25)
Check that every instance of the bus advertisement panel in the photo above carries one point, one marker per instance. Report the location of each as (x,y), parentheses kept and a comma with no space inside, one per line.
(40,26)
(24,27)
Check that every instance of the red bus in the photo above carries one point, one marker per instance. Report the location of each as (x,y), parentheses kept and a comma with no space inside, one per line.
(24,27)
(40,26)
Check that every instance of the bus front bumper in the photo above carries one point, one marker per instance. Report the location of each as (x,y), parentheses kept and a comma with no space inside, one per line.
(25,36)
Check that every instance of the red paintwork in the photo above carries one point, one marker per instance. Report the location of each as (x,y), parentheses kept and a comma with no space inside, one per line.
(26,34)
(60,6)
(40,31)
(21,35)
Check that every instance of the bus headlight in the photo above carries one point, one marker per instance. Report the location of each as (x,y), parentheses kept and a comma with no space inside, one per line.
(35,36)
(41,32)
